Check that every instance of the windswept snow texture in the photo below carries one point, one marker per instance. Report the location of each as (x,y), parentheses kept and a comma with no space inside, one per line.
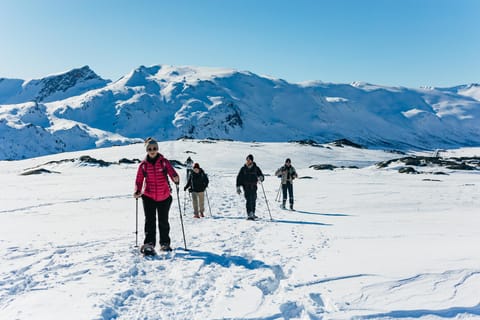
(364,243)
(79,110)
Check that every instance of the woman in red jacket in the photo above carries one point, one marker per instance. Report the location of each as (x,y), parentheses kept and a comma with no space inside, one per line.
(153,187)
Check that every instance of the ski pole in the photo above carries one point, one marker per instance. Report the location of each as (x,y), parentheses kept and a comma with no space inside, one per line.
(184,201)
(277,198)
(266,201)
(181,219)
(136,223)
(208,201)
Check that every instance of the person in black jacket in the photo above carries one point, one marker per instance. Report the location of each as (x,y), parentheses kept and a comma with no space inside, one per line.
(248,177)
(197,182)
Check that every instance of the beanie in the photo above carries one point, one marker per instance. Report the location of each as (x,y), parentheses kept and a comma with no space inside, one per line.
(250,157)
(150,142)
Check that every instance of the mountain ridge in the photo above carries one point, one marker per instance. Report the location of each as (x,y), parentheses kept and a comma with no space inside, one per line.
(78,109)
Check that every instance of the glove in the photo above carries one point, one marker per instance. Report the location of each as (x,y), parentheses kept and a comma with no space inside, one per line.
(239,191)
(176,180)
(185,188)
(261,178)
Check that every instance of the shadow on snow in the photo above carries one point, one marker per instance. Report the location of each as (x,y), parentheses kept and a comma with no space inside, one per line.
(325,214)
(223,260)
(444,313)
(267,219)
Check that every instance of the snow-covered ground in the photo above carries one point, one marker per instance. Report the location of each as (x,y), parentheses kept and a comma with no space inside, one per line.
(364,243)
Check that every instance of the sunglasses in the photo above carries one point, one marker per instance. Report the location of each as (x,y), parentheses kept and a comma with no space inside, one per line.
(152,149)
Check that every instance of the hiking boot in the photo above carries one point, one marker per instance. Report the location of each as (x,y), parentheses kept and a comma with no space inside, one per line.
(148,249)
(196,216)
(201,215)
(291,206)
(165,247)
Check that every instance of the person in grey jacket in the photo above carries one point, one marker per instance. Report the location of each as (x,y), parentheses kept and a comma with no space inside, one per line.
(287,173)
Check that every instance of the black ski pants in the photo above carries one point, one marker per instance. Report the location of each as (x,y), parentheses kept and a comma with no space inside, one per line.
(153,208)
(287,187)
(251,197)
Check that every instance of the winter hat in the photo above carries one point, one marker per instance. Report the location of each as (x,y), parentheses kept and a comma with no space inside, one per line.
(150,142)
(250,157)
(196,165)
(288,160)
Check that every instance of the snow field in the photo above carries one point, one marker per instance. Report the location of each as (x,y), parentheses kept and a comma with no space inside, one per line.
(362,243)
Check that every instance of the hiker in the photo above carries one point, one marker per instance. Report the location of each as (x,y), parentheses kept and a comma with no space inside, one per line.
(152,185)
(287,173)
(248,177)
(197,184)
(189,165)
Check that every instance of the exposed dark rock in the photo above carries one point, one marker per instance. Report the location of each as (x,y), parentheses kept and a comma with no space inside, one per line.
(177,164)
(432,180)
(408,170)
(460,166)
(323,166)
(396,152)
(345,142)
(128,161)
(465,163)
(218,139)
(37,171)
(307,142)
(90,160)
(305,177)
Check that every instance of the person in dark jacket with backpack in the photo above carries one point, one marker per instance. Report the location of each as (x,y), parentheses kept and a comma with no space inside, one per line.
(287,173)
(247,178)
(152,185)
(197,183)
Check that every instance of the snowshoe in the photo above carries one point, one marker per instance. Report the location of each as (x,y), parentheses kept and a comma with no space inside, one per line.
(165,248)
(148,250)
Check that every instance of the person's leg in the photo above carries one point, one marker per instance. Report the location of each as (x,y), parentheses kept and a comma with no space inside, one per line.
(284,192)
(201,203)
(195,203)
(254,201)
(290,194)
(149,208)
(249,201)
(163,208)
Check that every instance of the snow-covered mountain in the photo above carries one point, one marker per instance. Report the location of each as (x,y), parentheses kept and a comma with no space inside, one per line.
(78,110)
(51,88)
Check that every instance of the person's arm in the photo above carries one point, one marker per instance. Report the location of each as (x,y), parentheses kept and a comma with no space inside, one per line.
(260,175)
(139,182)
(171,172)
(206,180)
(294,174)
(239,180)
(278,172)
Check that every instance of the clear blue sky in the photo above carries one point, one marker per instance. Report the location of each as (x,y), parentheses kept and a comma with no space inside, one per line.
(392,42)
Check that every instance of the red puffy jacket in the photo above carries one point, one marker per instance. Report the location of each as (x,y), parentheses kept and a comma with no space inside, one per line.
(152,178)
